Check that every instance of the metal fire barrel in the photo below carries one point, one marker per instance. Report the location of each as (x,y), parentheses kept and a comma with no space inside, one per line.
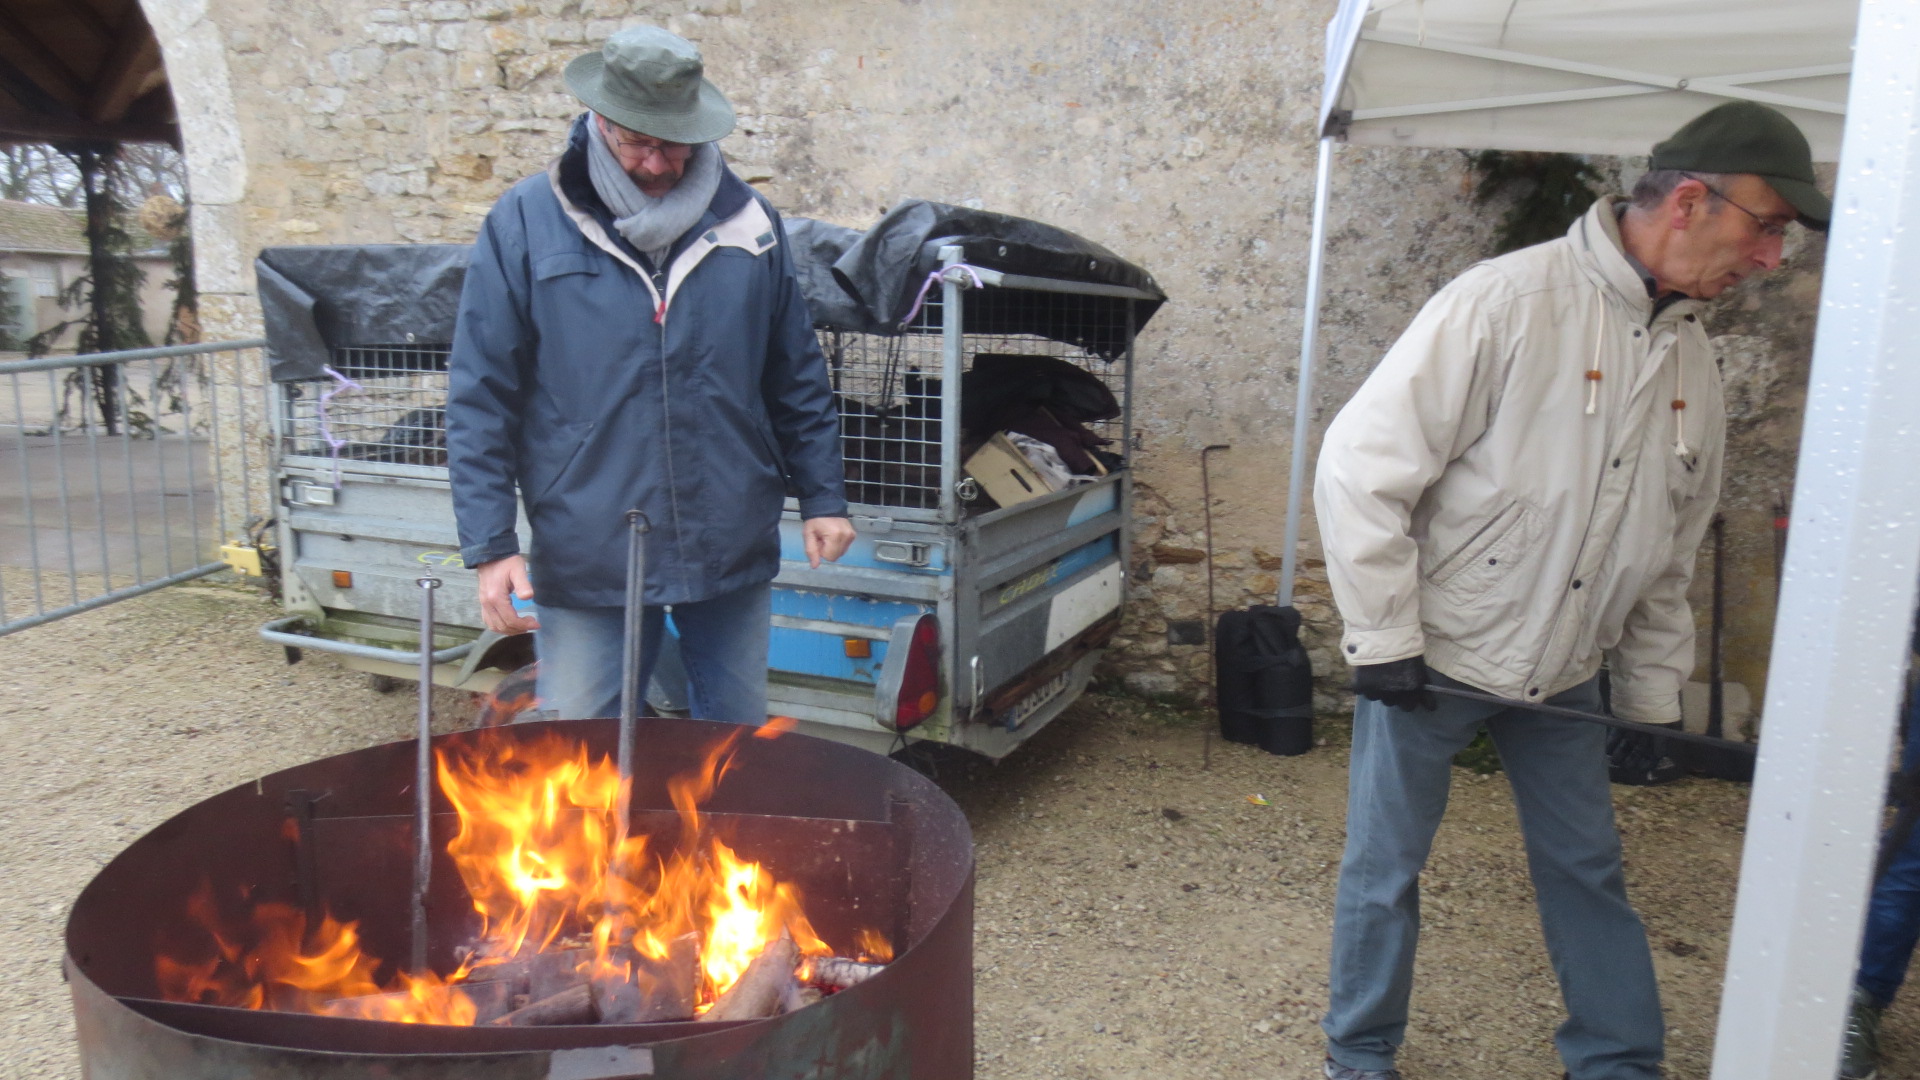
(866,841)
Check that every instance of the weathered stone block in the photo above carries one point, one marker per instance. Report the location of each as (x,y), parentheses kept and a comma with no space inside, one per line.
(468,166)
(1169,553)
(523,70)
(1187,632)
(385,34)
(1266,560)
(506,39)
(448,10)
(1169,577)
(476,71)
(1151,684)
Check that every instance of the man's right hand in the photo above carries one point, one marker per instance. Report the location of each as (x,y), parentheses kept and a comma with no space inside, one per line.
(1401,684)
(500,581)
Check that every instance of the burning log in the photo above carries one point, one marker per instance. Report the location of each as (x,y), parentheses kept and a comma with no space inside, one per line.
(574,1005)
(762,987)
(839,973)
(634,988)
(555,970)
(489,1000)
(794,997)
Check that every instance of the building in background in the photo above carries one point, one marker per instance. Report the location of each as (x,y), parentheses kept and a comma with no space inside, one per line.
(42,250)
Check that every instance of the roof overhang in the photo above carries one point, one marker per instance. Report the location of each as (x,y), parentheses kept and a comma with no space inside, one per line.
(1579,76)
(82,70)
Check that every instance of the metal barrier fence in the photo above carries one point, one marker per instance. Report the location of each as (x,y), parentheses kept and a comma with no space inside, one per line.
(123,472)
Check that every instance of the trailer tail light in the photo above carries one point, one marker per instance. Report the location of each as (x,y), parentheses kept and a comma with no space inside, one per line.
(909,687)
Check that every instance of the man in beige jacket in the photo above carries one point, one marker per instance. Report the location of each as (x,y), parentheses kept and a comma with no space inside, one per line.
(1515,494)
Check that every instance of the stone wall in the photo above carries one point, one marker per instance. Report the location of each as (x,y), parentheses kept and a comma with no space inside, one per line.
(1178,136)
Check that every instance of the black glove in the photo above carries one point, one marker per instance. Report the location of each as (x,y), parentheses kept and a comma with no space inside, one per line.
(1401,684)
(1640,759)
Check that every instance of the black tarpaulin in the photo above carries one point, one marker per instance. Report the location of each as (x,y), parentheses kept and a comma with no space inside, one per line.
(320,298)
(871,279)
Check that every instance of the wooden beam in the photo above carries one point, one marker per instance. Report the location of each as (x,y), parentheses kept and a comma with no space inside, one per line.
(122,76)
(83,11)
(23,128)
(29,51)
(31,96)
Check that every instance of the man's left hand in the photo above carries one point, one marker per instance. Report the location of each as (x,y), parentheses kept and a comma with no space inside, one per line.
(827,538)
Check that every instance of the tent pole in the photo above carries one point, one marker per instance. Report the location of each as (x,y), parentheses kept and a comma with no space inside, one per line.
(1303,404)
(1846,604)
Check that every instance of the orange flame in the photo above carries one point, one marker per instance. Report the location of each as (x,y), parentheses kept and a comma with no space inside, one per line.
(545,866)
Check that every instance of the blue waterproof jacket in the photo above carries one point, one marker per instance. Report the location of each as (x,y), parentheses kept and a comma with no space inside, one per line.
(595,383)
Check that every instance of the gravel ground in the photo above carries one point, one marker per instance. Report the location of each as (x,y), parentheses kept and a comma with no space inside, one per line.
(1137,915)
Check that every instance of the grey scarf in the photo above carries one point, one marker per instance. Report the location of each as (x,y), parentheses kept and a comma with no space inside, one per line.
(650,224)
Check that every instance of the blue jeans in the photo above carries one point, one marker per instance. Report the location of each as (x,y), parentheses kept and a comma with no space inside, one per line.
(723,643)
(1401,769)
(1893,911)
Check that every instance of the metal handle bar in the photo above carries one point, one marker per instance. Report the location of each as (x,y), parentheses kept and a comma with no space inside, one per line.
(1675,734)
(277,632)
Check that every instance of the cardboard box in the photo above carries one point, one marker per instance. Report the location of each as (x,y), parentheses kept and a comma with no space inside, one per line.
(1004,473)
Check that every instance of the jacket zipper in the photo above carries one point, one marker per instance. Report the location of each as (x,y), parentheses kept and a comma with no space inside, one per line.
(659,279)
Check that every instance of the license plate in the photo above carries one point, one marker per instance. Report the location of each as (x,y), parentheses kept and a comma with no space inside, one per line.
(1045,692)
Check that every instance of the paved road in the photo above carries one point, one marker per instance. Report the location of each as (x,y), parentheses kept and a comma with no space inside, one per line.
(126,509)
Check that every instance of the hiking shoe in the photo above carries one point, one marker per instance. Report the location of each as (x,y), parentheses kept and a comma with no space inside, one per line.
(1640,760)
(1860,1055)
(1337,1071)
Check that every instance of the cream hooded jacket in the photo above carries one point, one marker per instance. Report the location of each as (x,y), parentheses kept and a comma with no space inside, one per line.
(1518,490)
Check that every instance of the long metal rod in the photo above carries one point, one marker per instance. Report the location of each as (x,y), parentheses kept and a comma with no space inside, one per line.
(133,487)
(42,617)
(1846,607)
(952,344)
(1674,734)
(630,691)
(158,352)
(99,498)
(423,778)
(1303,401)
(160,472)
(60,473)
(1717,635)
(1206,630)
(26,486)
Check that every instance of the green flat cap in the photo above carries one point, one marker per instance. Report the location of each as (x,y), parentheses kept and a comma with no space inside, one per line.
(653,82)
(1748,137)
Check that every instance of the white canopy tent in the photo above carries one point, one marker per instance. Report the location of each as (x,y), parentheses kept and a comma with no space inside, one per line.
(1614,77)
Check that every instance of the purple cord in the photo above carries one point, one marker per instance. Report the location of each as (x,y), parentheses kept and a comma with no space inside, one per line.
(921,297)
(342,385)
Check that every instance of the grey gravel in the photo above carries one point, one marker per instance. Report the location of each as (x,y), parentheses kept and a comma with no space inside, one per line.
(1136,915)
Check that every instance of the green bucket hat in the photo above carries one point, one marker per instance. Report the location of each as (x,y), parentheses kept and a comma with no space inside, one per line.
(1748,137)
(650,81)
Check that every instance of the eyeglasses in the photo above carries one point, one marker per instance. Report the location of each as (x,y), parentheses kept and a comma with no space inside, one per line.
(640,146)
(1772,230)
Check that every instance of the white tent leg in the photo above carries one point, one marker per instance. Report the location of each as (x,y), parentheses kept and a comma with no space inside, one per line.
(1840,639)
(1303,404)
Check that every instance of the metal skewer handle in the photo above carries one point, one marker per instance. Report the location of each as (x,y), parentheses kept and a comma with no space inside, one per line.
(423,778)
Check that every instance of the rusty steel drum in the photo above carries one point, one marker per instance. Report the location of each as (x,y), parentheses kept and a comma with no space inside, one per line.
(867,841)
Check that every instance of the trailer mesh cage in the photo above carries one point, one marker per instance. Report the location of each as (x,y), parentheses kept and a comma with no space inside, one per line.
(385,404)
(889,392)
(380,403)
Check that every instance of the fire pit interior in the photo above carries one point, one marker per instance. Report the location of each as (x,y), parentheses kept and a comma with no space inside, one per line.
(269,928)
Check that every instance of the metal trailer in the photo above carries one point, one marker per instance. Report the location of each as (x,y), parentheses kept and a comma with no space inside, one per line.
(1001,612)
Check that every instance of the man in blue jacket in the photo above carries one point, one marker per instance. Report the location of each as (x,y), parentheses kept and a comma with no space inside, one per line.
(632,336)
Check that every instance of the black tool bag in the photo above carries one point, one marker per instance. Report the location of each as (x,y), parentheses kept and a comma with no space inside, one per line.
(1265,683)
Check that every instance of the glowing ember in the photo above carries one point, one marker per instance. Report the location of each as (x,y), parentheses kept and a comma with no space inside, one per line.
(549,875)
